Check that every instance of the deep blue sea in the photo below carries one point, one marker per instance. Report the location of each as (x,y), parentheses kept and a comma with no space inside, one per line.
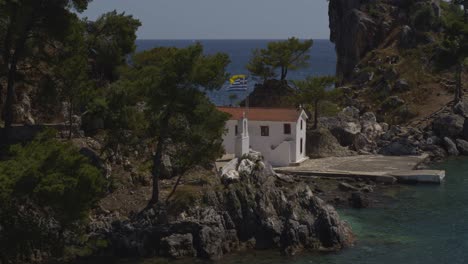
(322,60)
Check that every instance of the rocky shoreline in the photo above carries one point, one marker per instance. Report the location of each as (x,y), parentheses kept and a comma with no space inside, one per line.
(258,211)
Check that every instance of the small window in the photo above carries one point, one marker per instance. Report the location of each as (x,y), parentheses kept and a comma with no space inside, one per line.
(301,125)
(265,131)
(236,130)
(287,129)
(301,147)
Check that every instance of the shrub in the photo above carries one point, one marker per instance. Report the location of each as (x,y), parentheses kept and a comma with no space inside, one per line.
(46,189)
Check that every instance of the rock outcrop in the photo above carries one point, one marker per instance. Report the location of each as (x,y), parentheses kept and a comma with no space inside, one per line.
(251,213)
(360,26)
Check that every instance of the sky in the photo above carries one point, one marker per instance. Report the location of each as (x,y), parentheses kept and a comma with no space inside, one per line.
(222,19)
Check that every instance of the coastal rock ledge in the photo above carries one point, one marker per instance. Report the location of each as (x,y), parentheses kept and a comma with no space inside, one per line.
(260,211)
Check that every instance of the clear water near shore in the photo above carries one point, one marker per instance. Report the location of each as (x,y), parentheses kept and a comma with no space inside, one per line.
(426,224)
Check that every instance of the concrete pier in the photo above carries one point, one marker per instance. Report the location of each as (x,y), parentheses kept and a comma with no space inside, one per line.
(388,169)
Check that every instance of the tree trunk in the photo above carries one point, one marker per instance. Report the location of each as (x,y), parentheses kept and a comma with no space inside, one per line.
(284,73)
(13,63)
(174,188)
(157,160)
(316,114)
(459,85)
(10,95)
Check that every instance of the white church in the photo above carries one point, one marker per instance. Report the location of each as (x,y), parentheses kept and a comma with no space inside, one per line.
(278,133)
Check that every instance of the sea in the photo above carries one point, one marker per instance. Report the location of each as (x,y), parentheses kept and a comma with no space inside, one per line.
(322,62)
(424,224)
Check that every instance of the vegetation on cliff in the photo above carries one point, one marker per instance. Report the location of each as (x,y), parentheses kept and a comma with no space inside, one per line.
(47,189)
(390,53)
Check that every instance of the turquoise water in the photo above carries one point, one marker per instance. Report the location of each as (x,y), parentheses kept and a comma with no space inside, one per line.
(426,224)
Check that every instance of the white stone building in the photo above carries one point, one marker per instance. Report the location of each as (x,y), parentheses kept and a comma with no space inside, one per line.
(278,133)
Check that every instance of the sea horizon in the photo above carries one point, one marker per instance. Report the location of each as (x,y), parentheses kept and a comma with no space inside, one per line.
(322,60)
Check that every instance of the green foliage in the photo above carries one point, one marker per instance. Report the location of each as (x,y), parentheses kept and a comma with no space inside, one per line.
(49,179)
(177,114)
(454,49)
(53,174)
(27,30)
(110,39)
(291,54)
(424,18)
(312,91)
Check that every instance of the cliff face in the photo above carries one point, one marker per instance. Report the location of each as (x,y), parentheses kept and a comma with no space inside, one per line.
(355,31)
(386,57)
(360,26)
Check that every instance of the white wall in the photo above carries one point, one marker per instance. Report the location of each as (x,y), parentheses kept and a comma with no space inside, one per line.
(267,145)
(229,138)
(300,134)
(279,149)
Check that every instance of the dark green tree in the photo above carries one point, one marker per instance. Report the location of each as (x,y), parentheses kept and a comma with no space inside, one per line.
(463,3)
(454,49)
(181,120)
(27,27)
(313,91)
(282,56)
(71,71)
(110,39)
(46,188)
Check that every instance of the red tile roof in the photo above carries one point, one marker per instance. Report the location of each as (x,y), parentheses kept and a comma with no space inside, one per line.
(263,114)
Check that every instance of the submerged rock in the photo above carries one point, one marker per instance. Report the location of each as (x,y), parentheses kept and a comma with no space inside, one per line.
(451,147)
(358,200)
(448,125)
(462,146)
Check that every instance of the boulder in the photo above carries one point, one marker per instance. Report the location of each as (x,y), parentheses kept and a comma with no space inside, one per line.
(229,173)
(368,117)
(362,144)
(448,125)
(461,108)
(358,200)
(321,143)
(346,132)
(350,111)
(462,146)
(401,85)
(451,147)
(246,167)
(372,130)
(401,147)
(178,246)
(254,156)
(433,140)
(465,130)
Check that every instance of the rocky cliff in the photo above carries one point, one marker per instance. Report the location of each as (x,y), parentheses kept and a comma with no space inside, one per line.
(360,26)
(387,54)
(255,209)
